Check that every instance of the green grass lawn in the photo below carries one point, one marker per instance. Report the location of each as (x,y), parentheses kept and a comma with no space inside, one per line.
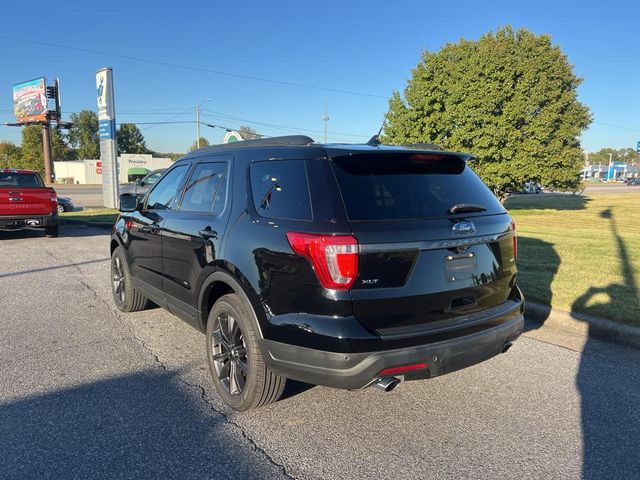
(581,253)
(98,215)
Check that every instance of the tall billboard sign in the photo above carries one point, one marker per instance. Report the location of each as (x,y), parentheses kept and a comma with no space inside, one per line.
(107,130)
(30,101)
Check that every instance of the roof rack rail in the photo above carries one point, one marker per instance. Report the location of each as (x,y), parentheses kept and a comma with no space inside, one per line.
(283,141)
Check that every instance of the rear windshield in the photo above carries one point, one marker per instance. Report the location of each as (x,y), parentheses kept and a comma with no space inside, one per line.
(20,180)
(409,186)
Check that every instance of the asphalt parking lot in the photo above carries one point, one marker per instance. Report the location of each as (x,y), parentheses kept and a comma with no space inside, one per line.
(88,392)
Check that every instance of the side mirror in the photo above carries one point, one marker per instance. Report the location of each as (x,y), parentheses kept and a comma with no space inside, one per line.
(129,203)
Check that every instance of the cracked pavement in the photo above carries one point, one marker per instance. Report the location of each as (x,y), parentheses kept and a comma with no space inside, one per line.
(86,391)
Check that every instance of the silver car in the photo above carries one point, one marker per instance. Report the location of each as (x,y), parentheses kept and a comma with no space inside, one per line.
(142,186)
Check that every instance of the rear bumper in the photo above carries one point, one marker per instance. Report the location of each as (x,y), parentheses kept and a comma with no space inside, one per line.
(358,370)
(18,222)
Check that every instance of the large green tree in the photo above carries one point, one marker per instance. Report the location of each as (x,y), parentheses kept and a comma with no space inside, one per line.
(31,152)
(509,98)
(130,139)
(83,136)
(9,154)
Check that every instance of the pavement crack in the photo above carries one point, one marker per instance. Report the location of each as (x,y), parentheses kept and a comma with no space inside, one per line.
(227,418)
(203,393)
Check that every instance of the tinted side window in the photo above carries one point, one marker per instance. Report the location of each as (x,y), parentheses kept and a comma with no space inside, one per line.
(280,189)
(164,193)
(205,189)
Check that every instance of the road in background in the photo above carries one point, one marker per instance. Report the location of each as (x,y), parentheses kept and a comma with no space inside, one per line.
(86,391)
(85,196)
(596,188)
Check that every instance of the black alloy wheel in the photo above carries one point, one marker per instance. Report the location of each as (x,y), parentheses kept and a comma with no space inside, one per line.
(229,354)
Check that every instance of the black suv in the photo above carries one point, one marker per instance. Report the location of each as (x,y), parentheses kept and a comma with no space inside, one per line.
(339,265)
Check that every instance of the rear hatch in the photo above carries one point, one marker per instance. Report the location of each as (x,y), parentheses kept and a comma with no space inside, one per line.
(437,248)
(24,194)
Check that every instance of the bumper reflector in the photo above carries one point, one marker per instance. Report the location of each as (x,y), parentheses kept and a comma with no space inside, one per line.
(405,368)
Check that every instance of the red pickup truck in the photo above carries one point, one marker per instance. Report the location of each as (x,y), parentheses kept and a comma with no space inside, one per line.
(26,203)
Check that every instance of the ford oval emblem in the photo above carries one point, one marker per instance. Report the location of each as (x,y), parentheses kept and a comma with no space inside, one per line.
(463,227)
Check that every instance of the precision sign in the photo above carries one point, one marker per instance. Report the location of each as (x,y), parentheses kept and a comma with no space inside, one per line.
(107,130)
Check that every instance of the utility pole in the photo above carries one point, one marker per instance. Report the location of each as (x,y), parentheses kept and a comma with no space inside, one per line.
(325,119)
(46,144)
(198,121)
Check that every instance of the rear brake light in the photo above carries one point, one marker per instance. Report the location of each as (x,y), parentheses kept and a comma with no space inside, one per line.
(515,240)
(334,258)
(403,369)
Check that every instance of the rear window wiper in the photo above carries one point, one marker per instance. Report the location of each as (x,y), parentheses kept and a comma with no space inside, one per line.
(466,208)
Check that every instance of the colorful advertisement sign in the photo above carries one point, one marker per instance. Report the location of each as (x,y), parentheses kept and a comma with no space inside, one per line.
(30,101)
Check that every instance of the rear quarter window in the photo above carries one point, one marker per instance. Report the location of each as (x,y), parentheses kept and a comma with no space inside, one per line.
(280,189)
(409,186)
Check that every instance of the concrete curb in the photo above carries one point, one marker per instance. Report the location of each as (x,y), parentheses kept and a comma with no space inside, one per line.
(582,324)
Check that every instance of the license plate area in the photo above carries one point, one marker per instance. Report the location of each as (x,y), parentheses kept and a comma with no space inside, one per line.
(460,267)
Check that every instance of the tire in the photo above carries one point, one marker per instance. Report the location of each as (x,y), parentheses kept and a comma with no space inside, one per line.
(60,209)
(126,297)
(52,231)
(231,337)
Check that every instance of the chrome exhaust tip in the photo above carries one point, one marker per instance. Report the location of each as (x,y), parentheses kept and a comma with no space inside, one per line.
(387,384)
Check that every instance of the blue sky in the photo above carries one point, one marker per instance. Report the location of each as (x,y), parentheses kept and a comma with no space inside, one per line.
(368,47)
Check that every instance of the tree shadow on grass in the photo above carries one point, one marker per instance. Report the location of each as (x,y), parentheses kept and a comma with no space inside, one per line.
(610,404)
(548,201)
(142,425)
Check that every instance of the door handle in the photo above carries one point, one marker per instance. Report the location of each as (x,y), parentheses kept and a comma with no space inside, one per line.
(150,229)
(207,233)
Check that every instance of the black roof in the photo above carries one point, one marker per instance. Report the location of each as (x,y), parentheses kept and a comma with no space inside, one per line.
(284,141)
(332,149)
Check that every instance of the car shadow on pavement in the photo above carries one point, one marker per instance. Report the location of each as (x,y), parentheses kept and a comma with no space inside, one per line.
(66,230)
(610,413)
(143,425)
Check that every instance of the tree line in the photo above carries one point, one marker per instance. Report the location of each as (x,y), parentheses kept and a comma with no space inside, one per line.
(82,141)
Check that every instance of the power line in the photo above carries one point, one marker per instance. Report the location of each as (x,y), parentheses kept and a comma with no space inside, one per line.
(193,68)
(618,127)
(280,127)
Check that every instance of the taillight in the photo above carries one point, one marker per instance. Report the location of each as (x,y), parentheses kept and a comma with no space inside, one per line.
(515,240)
(334,258)
(54,200)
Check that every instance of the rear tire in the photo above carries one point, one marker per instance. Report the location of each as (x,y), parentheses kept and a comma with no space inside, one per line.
(52,231)
(237,368)
(126,297)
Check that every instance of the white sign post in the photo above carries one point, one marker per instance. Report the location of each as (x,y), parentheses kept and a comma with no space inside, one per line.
(107,129)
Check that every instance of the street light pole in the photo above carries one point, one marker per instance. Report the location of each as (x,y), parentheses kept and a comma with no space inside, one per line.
(198,121)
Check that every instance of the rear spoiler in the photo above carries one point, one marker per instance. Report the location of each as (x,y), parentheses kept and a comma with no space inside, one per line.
(433,148)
